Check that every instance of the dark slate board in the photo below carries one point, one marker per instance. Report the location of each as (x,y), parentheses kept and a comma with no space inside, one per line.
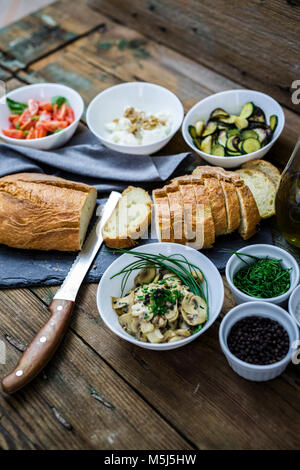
(28,268)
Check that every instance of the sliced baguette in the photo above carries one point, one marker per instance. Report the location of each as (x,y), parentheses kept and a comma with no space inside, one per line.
(262,188)
(214,192)
(207,171)
(130,219)
(176,212)
(231,205)
(189,210)
(249,212)
(266,167)
(162,216)
(204,216)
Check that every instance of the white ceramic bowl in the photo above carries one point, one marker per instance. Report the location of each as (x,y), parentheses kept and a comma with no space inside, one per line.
(44,92)
(252,371)
(112,287)
(294,300)
(232,102)
(234,264)
(148,97)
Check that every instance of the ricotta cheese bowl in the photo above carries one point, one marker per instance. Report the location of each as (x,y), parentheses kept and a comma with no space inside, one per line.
(135,118)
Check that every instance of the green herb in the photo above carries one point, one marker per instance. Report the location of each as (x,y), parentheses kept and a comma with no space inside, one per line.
(18,126)
(263,277)
(177,264)
(59,101)
(25,132)
(57,130)
(15,106)
(34,118)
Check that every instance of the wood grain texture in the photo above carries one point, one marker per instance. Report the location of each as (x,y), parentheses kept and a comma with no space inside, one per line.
(79,402)
(256,43)
(218,409)
(44,31)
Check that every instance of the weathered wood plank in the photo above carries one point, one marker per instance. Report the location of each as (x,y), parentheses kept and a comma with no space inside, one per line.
(256,43)
(79,402)
(44,31)
(4,74)
(115,53)
(218,409)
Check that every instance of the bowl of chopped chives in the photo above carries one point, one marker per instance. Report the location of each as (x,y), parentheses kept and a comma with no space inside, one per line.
(262,272)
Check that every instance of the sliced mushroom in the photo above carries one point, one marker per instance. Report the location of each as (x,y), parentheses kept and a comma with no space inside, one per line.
(145,275)
(155,336)
(125,322)
(182,333)
(172,313)
(193,309)
(119,303)
(169,334)
(138,309)
(174,338)
(197,274)
(146,327)
(134,324)
(159,321)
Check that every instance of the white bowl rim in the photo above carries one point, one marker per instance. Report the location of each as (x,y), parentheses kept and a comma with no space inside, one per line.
(281,123)
(244,306)
(39,85)
(161,346)
(129,84)
(284,253)
(291,310)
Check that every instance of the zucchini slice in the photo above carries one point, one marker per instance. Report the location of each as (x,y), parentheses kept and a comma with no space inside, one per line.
(197,143)
(192,131)
(235,142)
(258,115)
(273,122)
(206,144)
(269,134)
(233,154)
(210,128)
(222,138)
(247,133)
(199,126)
(230,119)
(261,135)
(218,113)
(229,144)
(247,110)
(231,132)
(241,122)
(254,124)
(251,145)
(218,150)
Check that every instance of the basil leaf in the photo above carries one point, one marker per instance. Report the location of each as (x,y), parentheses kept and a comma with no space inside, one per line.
(57,130)
(15,106)
(18,126)
(59,101)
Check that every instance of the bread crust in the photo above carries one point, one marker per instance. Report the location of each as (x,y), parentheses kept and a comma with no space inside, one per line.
(249,212)
(162,215)
(176,212)
(232,206)
(266,167)
(42,212)
(215,194)
(207,219)
(206,171)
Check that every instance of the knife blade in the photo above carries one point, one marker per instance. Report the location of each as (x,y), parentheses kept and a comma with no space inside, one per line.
(47,340)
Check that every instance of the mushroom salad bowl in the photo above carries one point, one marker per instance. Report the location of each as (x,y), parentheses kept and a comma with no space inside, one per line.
(160,296)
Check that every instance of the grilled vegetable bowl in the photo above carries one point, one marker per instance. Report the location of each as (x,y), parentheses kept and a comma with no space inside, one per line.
(166,299)
(232,127)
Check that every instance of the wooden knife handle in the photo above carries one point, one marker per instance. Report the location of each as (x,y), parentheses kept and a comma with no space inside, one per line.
(41,348)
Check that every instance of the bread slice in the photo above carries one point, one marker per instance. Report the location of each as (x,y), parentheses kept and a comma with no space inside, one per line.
(262,188)
(130,219)
(266,167)
(218,172)
(44,212)
(176,212)
(214,192)
(162,216)
(249,212)
(231,205)
(189,209)
(204,216)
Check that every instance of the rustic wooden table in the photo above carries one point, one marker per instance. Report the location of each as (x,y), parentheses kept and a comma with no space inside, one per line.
(99,391)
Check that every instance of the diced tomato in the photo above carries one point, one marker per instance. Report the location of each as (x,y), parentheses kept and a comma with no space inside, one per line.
(30,134)
(54,112)
(45,105)
(70,115)
(25,116)
(52,126)
(27,125)
(44,116)
(62,112)
(13,133)
(13,117)
(33,107)
(41,132)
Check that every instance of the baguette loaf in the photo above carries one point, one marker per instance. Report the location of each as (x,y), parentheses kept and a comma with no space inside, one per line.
(249,212)
(231,205)
(130,219)
(44,212)
(266,167)
(162,216)
(176,212)
(215,194)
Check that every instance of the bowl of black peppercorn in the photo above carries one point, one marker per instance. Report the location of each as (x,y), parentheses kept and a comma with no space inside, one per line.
(258,340)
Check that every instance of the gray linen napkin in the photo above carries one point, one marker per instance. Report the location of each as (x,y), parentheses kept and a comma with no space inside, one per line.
(85,159)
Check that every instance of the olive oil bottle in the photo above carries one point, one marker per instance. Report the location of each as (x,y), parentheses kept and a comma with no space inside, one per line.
(288,199)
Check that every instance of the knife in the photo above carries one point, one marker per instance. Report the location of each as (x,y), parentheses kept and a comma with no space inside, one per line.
(45,343)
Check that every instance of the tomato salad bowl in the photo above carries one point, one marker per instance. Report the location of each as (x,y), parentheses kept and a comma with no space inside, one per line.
(41,116)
